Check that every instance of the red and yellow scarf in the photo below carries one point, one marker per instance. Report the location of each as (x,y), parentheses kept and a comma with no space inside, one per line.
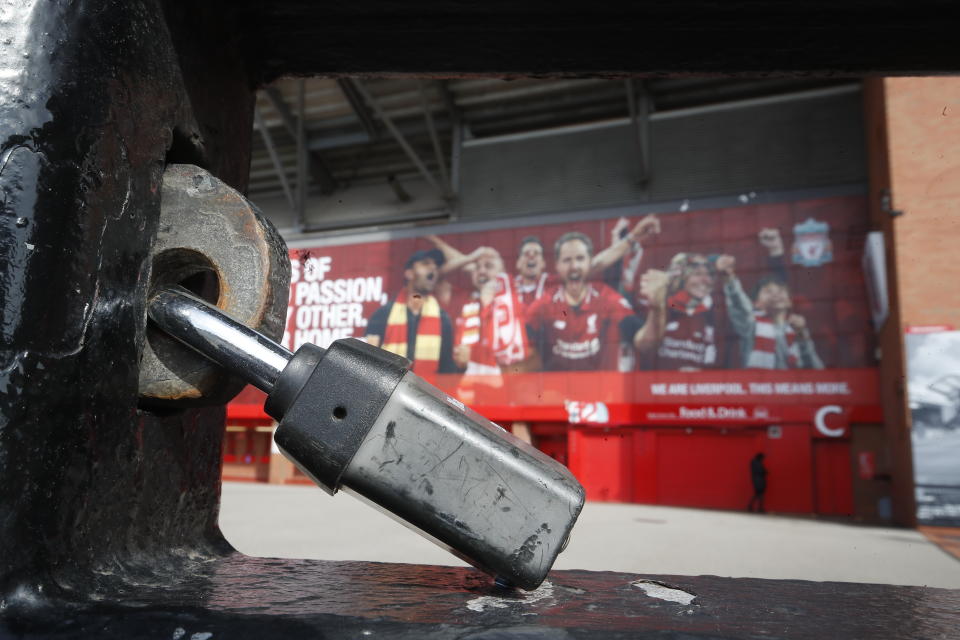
(426,352)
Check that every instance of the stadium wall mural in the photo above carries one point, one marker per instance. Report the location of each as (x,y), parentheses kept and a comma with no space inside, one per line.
(747,314)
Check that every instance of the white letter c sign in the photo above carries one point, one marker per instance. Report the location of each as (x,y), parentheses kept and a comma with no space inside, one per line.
(819,421)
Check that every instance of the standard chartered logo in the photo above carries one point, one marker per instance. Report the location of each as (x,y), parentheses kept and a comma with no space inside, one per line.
(577,350)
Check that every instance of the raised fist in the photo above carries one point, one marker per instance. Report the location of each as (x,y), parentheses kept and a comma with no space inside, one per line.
(797,322)
(726,264)
(619,230)
(647,227)
(653,286)
(770,239)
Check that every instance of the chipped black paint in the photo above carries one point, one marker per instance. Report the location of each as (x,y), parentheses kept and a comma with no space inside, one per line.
(395,461)
(525,553)
(427,486)
(93,493)
(256,598)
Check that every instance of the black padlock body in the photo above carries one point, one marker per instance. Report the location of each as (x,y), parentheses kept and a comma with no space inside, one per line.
(327,401)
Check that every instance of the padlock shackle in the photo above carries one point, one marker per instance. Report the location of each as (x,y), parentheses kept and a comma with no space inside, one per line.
(215,335)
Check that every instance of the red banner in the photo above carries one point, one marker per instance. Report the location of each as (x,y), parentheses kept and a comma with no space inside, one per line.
(755,286)
(695,398)
(754,314)
(829,399)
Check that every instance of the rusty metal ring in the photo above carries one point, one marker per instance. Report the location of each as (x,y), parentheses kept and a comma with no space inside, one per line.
(211,240)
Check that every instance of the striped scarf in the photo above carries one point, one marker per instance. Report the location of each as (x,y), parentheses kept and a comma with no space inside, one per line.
(764,354)
(473,330)
(528,293)
(468,324)
(509,336)
(426,353)
(495,332)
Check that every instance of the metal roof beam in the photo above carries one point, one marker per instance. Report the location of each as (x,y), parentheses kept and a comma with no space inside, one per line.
(302,155)
(355,98)
(272,150)
(441,163)
(316,166)
(339,138)
(401,140)
(456,140)
(638,103)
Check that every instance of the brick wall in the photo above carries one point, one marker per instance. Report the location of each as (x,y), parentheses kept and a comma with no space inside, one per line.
(923,130)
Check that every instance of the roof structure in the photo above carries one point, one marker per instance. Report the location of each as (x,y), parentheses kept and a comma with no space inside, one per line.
(361,132)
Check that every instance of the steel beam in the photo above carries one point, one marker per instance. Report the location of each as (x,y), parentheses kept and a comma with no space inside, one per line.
(456,141)
(339,138)
(638,103)
(272,150)
(435,139)
(544,38)
(355,98)
(399,137)
(315,164)
(302,162)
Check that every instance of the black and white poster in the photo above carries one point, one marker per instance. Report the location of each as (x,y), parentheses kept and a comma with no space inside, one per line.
(933,373)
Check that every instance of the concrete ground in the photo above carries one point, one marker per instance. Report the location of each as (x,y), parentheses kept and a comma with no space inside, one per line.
(304,522)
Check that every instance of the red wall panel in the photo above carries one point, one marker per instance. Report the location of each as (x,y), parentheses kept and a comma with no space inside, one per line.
(601,460)
(789,464)
(833,481)
(644,471)
(705,469)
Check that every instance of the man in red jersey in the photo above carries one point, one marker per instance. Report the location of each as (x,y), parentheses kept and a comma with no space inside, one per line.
(680,331)
(532,281)
(577,326)
(489,329)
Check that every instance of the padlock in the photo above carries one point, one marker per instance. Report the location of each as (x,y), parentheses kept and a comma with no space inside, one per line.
(354,417)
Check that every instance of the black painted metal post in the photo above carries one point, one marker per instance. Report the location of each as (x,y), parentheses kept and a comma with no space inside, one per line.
(92,103)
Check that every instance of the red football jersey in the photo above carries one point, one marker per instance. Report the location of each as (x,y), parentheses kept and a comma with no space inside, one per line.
(582,338)
(530,293)
(689,341)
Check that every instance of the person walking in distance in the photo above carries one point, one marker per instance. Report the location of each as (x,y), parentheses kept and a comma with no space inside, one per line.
(758,474)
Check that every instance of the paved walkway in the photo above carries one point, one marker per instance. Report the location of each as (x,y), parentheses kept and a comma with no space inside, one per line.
(947,538)
(304,522)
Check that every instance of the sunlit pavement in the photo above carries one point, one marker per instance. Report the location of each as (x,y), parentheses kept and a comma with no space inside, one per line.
(304,522)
